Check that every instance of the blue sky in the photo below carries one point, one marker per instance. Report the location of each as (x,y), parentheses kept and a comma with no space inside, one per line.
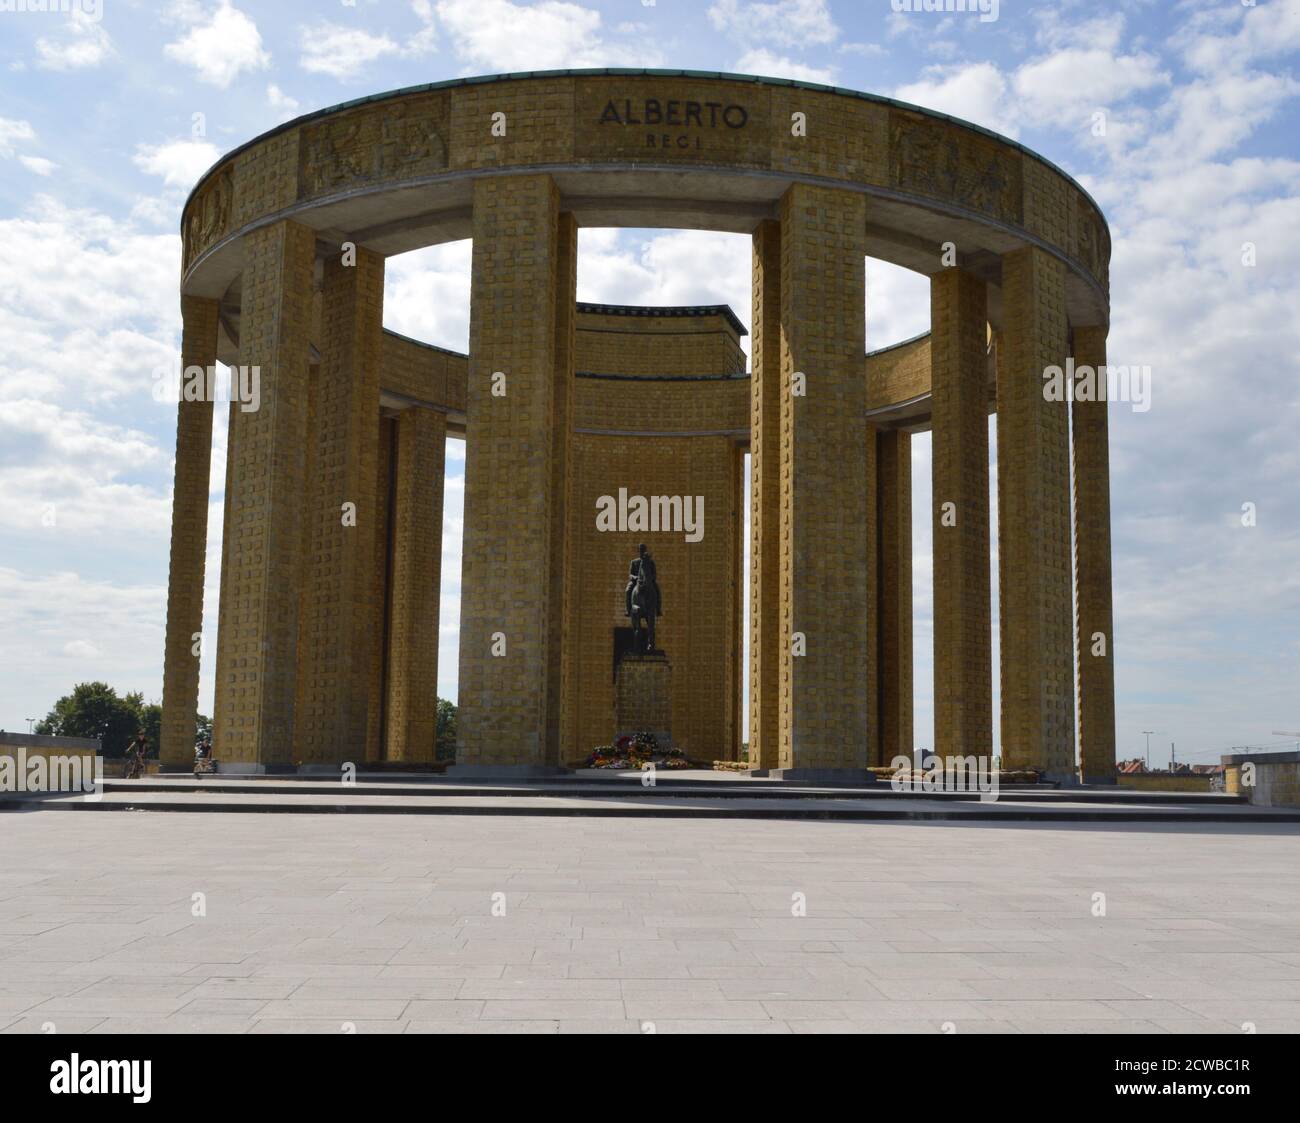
(109,114)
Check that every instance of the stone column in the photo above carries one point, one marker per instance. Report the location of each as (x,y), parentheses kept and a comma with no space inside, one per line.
(506,576)
(566,307)
(421,461)
(765,499)
(259,614)
(827,682)
(225,582)
(379,591)
(342,512)
(1034,570)
(894,600)
(963,652)
(1092,568)
(189,538)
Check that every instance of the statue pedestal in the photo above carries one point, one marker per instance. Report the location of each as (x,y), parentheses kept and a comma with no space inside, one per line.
(643,697)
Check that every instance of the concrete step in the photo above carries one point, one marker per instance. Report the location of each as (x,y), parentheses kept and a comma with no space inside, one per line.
(628,785)
(896,806)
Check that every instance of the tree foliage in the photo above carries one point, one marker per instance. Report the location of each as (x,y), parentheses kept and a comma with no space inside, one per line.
(446,734)
(94,709)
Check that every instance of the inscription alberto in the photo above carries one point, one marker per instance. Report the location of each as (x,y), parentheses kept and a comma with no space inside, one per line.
(674,113)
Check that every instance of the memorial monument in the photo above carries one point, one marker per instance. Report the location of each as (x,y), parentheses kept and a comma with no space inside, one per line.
(326,649)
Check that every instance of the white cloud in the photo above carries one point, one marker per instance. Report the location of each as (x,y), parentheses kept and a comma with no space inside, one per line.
(1057,31)
(973,92)
(781,23)
(222,47)
(766,64)
(178,162)
(1065,87)
(341,52)
(82,44)
(75,628)
(344,52)
(38,164)
(497,35)
(426,295)
(280,102)
(11,131)
(1263,32)
(91,308)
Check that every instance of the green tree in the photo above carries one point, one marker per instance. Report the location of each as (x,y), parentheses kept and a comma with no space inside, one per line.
(446,731)
(94,709)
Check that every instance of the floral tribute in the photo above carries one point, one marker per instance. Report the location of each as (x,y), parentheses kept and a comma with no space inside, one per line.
(635,751)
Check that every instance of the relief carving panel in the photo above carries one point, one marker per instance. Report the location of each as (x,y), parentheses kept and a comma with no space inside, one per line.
(398,140)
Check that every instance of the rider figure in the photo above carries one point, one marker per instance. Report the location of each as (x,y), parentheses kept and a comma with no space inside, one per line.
(642,596)
(135,754)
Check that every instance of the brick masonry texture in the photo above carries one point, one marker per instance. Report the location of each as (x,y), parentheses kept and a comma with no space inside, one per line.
(1096,672)
(643,699)
(508,482)
(420,465)
(327,638)
(765,650)
(614,344)
(381,583)
(256,664)
(558,635)
(564,119)
(189,539)
(892,607)
(698,628)
(336,634)
(826,550)
(1034,547)
(963,722)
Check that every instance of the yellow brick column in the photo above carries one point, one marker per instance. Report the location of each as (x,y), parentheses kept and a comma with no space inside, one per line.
(259,615)
(225,598)
(765,499)
(827,675)
(421,460)
(506,618)
(1034,550)
(1092,568)
(894,602)
(189,539)
(386,428)
(559,731)
(342,512)
(963,652)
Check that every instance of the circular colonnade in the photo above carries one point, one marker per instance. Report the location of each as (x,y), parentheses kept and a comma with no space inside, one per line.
(328,627)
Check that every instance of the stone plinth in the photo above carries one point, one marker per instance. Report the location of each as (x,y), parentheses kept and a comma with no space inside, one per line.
(643,697)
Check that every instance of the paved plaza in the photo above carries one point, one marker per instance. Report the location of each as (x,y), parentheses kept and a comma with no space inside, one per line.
(506,924)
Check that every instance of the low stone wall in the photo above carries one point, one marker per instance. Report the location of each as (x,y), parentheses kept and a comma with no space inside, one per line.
(1267,779)
(1165,782)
